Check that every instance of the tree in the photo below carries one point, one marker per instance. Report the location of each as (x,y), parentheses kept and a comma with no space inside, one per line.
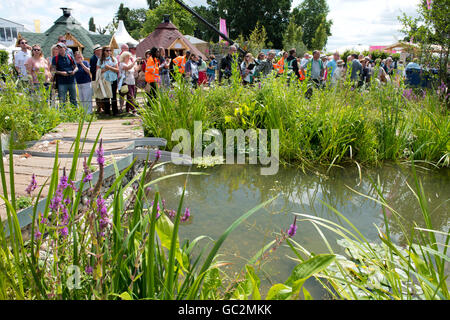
(310,15)
(293,38)
(202,31)
(152,4)
(243,15)
(257,39)
(320,38)
(91,24)
(137,18)
(431,30)
(122,14)
(178,16)
(133,19)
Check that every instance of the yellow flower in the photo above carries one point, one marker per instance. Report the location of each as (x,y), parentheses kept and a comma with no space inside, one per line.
(228,119)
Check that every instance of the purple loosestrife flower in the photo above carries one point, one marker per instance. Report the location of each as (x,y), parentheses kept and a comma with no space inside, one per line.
(56,201)
(64,182)
(87,178)
(89,270)
(87,172)
(100,154)
(172,213)
(293,228)
(37,235)
(64,231)
(73,186)
(104,220)
(32,185)
(158,155)
(186,215)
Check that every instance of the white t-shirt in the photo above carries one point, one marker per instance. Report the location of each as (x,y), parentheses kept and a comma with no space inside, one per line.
(19,61)
(248,77)
(129,74)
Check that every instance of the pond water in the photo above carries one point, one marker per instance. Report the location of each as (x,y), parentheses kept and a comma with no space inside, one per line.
(228,191)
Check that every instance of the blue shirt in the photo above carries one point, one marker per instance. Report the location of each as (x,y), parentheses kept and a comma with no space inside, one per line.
(110,76)
(82,76)
(64,64)
(332,65)
(213,63)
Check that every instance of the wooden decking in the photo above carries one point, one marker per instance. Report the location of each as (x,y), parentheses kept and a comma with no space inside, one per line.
(25,165)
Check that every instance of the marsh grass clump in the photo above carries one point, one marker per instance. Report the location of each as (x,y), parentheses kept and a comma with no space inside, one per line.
(334,126)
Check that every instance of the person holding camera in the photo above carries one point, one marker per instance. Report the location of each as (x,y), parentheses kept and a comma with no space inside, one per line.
(226,64)
(164,64)
(248,69)
(64,68)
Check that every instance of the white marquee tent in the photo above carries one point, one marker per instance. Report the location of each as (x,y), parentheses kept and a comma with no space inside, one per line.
(122,36)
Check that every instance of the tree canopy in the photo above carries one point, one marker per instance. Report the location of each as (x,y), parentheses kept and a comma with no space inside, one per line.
(178,16)
(243,15)
(311,15)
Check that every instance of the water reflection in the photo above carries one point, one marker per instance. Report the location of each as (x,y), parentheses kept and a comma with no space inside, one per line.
(216,200)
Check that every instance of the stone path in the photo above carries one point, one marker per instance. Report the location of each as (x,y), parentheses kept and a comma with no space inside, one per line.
(25,165)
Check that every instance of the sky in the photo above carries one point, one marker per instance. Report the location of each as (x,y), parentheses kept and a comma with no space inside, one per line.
(355,22)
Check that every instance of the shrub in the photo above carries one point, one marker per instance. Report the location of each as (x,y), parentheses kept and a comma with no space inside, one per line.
(3,57)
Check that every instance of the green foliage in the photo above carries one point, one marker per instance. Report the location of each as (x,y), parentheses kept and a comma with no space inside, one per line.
(23,202)
(335,126)
(30,111)
(320,37)
(178,16)
(293,38)
(311,15)
(3,57)
(257,39)
(138,257)
(92,24)
(132,19)
(385,270)
(430,28)
(245,14)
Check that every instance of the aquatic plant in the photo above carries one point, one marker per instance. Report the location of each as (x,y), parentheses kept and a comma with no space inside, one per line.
(335,126)
(108,246)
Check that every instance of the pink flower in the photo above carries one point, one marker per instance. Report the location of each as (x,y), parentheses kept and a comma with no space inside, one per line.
(32,185)
(293,228)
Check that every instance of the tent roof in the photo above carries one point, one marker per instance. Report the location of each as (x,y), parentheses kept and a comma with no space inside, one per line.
(122,36)
(194,40)
(69,26)
(165,35)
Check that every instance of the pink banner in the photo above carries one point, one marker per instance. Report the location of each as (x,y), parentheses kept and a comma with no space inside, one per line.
(223,28)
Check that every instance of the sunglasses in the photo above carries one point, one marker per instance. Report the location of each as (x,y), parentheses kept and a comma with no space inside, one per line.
(63,41)
(23,42)
(108,50)
(36,49)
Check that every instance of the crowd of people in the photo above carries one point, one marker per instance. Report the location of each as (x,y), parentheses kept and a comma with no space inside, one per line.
(320,69)
(113,81)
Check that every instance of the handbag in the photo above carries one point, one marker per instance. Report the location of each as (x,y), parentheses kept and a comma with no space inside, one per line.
(124,89)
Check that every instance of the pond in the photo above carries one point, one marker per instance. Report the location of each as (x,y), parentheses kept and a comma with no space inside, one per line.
(228,191)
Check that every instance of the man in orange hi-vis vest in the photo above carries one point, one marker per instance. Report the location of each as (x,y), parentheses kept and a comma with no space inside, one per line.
(280,66)
(152,73)
(180,61)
